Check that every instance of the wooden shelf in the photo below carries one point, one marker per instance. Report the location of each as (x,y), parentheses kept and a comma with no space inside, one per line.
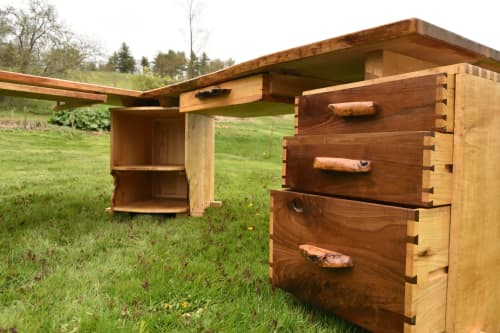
(154,206)
(173,167)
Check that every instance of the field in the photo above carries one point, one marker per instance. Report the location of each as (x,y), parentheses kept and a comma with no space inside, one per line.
(67,266)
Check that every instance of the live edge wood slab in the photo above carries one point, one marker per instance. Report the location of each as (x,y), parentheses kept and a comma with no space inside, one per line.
(391,49)
(410,44)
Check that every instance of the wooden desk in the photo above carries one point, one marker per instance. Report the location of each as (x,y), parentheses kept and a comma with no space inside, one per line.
(168,166)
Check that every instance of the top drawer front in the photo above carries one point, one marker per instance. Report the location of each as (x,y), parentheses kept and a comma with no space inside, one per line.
(416,104)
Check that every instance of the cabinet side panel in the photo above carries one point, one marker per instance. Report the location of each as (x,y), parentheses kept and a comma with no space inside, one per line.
(200,161)
(474,291)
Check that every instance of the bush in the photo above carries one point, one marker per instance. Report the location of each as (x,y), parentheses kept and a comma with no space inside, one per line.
(149,80)
(83,119)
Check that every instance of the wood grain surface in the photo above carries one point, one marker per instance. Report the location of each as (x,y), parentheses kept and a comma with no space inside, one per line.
(200,161)
(397,166)
(402,105)
(343,58)
(245,96)
(111,95)
(147,160)
(474,288)
(371,294)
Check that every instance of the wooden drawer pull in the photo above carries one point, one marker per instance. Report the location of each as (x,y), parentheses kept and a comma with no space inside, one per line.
(341,164)
(215,92)
(353,109)
(325,258)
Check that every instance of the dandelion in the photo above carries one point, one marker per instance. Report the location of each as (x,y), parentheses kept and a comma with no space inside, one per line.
(251,228)
(166,306)
(184,304)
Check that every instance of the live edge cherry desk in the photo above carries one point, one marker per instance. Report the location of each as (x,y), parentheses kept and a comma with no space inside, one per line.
(390,215)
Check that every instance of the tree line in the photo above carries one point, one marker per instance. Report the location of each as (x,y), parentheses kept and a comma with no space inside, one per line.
(172,64)
(34,40)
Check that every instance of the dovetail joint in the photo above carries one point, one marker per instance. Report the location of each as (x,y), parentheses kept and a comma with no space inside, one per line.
(411,279)
(411,320)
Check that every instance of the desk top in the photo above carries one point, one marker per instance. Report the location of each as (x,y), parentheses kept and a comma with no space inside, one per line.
(338,60)
(341,59)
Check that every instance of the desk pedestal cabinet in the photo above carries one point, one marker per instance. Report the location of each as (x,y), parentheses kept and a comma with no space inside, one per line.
(161,160)
(392,220)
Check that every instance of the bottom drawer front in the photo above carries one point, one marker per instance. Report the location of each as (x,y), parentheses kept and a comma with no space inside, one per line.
(376,292)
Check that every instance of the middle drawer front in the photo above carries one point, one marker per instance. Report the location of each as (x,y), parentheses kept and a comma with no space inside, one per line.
(410,168)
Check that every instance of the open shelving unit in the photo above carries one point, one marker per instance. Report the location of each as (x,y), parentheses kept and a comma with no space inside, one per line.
(148,160)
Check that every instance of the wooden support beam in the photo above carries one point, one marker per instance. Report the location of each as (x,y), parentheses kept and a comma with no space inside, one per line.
(386,63)
(67,96)
(200,140)
(40,81)
(114,96)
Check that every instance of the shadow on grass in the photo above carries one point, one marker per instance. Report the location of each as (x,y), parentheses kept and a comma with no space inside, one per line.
(327,320)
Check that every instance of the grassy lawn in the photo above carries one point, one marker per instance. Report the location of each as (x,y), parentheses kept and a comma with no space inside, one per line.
(67,266)
(110,79)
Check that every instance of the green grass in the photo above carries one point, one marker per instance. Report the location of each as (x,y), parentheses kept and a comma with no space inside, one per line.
(111,79)
(67,266)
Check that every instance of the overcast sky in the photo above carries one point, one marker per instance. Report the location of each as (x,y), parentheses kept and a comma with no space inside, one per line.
(246,29)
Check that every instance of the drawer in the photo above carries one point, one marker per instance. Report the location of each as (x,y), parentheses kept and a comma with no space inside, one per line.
(396,258)
(410,168)
(424,103)
(262,94)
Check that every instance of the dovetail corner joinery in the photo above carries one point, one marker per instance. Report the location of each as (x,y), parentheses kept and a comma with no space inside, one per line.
(436,174)
(445,102)
(426,271)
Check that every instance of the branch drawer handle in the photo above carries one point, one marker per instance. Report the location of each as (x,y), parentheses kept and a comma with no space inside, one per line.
(353,109)
(325,258)
(215,92)
(341,164)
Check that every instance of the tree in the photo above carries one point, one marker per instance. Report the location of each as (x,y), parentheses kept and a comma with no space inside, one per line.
(203,64)
(126,62)
(172,64)
(217,64)
(33,40)
(193,68)
(112,64)
(144,62)
(196,35)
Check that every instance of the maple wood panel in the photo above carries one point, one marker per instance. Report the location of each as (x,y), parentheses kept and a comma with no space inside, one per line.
(474,288)
(257,95)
